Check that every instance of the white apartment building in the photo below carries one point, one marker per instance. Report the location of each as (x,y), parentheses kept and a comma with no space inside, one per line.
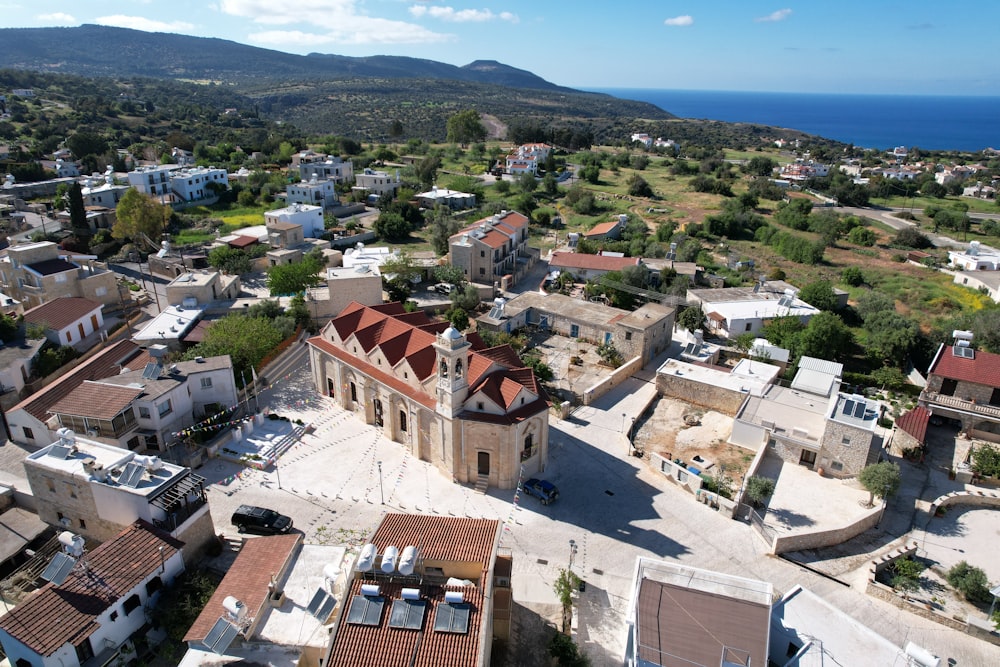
(310,217)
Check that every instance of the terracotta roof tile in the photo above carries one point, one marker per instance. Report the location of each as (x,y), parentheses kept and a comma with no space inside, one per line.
(61,312)
(103,365)
(577,260)
(915,423)
(602,228)
(455,539)
(96,399)
(247,579)
(983,369)
(53,616)
(243,242)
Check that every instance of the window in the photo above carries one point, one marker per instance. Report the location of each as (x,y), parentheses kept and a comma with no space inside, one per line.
(206,383)
(165,408)
(628,335)
(482,271)
(131,604)
(153,585)
(529,446)
(143,412)
(71,490)
(28,433)
(100,291)
(354,392)
(846,440)
(480,405)
(747,327)
(574,331)
(69,336)
(402,421)
(482,253)
(60,277)
(60,516)
(51,485)
(113,616)
(83,525)
(837,465)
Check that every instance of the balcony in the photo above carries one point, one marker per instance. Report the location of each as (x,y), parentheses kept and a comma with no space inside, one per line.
(936,400)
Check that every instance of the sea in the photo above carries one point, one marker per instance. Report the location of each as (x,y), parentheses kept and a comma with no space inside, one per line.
(869,121)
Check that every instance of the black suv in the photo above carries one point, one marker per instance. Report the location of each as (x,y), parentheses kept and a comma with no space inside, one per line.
(250,519)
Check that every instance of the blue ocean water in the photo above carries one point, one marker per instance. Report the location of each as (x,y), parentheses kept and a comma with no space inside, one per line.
(869,121)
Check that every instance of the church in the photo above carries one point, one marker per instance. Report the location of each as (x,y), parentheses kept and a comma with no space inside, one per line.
(475,412)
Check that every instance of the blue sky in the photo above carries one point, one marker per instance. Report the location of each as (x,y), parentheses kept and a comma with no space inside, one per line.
(848,46)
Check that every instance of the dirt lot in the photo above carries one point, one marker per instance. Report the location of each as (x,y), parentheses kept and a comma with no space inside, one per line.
(666,433)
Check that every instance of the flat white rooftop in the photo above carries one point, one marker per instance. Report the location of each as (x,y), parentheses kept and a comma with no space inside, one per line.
(761,309)
(800,413)
(171,324)
(113,459)
(748,377)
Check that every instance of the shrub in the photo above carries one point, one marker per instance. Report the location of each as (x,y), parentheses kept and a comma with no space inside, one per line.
(969,581)
(986,461)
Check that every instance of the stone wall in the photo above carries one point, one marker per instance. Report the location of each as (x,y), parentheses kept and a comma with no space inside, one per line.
(825,538)
(976,498)
(197,533)
(619,375)
(851,457)
(703,395)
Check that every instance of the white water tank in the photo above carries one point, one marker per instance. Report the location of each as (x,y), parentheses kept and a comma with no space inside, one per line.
(921,656)
(454,597)
(369,590)
(389,557)
(408,560)
(366,561)
(234,608)
(71,542)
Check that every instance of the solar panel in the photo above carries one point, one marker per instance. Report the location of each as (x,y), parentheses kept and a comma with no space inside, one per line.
(365,610)
(59,568)
(452,618)
(407,614)
(221,636)
(321,605)
(59,451)
(848,407)
(151,371)
(131,475)
(859,410)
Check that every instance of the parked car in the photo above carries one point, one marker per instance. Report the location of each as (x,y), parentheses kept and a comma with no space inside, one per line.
(443,288)
(250,519)
(543,490)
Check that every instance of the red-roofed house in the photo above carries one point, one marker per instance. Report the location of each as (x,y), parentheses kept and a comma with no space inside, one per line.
(91,616)
(585,267)
(494,250)
(67,320)
(419,619)
(477,414)
(964,383)
(611,229)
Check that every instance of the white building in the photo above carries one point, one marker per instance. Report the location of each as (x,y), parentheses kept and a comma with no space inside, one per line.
(379,183)
(735,310)
(977,257)
(643,139)
(310,217)
(173,184)
(315,192)
(89,615)
(107,194)
(984,281)
(444,197)
(326,168)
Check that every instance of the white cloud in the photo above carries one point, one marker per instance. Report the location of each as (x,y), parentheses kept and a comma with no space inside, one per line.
(57,17)
(680,20)
(325,22)
(462,15)
(779,15)
(142,23)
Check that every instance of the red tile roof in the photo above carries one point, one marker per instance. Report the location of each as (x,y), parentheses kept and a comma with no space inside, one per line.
(53,616)
(247,579)
(243,242)
(97,400)
(61,312)
(400,336)
(578,260)
(105,364)
(915,423)
(983,369)
(602,228)
(443,538)
(385,646)
(498,230)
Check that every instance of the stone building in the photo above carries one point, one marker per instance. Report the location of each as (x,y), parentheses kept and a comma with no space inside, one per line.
(494,250)
(34,273)
(97,490)
(812,423)
(476,413)
(964,384)
(644,332)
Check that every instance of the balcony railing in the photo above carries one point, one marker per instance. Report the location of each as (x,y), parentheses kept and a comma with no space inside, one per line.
(985,410)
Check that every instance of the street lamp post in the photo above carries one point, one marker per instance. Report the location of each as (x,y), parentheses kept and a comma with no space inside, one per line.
(572,553)
(381,494)
(885,501)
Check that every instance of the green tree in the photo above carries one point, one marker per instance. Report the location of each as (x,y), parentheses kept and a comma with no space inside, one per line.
(77,211)
(466,127)
(182,602)
(467,298)
(426,170)
(292,278)
(906,575)
(458,318)
(888,377)
(862,236)
(744,342)
(392,226)
(566,652)
(853,275)
(527,183)
(969,581)
(891,337)
(880,479)
(446,273)
(246,340)
(550,185)
(8,328)
(140,218)
(638,187)
(986,460)
(819,294)
(442,228)
(910,237)
(783,331)
(759,489)
(760,166)
(692,318)
(230,260)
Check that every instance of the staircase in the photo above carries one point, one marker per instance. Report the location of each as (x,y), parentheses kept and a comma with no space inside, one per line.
(482,483)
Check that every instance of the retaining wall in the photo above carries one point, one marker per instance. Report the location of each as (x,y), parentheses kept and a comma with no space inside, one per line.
(825,538)
(619,375)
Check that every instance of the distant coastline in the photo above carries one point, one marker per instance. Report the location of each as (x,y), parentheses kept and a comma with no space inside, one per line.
(869,121)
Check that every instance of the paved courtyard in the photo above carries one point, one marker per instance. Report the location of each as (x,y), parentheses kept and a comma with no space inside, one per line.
(339,481)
